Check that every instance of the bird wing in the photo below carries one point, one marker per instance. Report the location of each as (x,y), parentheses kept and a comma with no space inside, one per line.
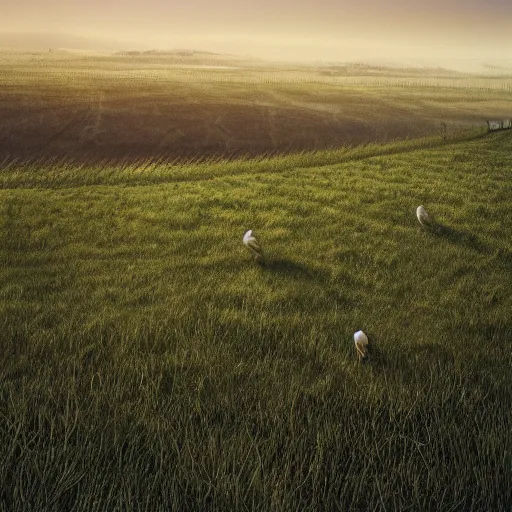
(424,217)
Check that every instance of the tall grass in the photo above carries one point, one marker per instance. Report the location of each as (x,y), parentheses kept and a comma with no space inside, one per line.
(69,173)
(147,364)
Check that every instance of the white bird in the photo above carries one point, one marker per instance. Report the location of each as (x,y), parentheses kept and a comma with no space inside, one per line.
(254,246)
(361,341)
(424,217)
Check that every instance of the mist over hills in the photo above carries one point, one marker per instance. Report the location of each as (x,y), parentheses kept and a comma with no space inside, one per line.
(45,41)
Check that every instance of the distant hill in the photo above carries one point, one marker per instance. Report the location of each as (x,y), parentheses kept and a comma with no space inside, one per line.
(181,52)
(45,41)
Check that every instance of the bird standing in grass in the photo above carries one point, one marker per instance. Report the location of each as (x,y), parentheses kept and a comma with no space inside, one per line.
(424,218)
(254,246)
(361,341)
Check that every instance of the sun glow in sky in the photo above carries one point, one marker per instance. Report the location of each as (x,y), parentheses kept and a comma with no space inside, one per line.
(323,29)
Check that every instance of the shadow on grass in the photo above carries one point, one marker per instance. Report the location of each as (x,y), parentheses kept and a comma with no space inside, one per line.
(294,270)
(502,255)
(410,363)
(459,237)
(504,258)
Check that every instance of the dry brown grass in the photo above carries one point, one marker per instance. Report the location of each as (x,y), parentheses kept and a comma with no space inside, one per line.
(127,107)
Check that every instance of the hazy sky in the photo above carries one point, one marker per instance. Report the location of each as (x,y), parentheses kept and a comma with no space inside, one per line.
(321,29)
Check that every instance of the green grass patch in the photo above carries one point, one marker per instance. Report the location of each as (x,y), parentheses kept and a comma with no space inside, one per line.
(148,364)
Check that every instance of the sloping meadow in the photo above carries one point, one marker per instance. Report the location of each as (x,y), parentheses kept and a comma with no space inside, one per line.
(149,364)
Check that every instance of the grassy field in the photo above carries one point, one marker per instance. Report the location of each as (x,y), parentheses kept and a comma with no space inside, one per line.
(167,106)
(148,364)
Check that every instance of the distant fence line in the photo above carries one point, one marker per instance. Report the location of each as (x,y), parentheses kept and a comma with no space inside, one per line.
(504,124)
(250,76)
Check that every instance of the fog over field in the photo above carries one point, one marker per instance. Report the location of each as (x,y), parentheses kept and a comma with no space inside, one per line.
(452,33)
